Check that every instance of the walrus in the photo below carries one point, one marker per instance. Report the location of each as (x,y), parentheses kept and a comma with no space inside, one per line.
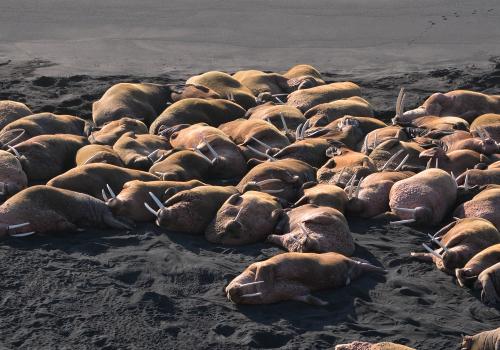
(486,205)
(487,125)
(302,76)
(424,198)
(140,151)
(380,135)
(94,178)
(183,165)
(325,113)
(244,218)
(324,195)
(258,82)
(390,153)
(285,118)
(488,340)
(489,283)
(226,86)
(111,131)
(467,275)
(141,101)
(129,203)
(357,345)
(191,211)
(45,156)
(11,111)
(97,154)
(458,103)
(312,151)
(293,276)
(459,242)
(197,110)
(456,162)
(194,91)
(12,177)
(48,124)
(440,124)
(311,228)
(43,209)
(283,178)
(305,99)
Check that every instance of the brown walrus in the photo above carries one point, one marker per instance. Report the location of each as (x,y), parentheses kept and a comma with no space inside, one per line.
(488,340)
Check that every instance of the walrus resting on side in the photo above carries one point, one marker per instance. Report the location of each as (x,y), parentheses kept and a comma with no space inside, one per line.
(293,276)
(477,264)
(488,340)
(489,282)
(43,209)
(357,345)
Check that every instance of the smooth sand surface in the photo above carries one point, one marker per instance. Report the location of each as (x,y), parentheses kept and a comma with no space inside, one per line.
(189,36)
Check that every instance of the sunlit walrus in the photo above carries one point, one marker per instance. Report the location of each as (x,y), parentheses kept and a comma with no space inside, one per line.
(12,177)
(302,76)
(259,82)
(485,204)
(140,151)
(97,154)
(325,195)
(477,264)
(44,209)
(293,276)
(326,113)
(183,165)
(488,340)
(455,162)
(132,100)
(357,345)
(424,198)
(111,131)
(12,110)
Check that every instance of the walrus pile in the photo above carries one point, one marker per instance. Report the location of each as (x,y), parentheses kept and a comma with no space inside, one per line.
(283,158)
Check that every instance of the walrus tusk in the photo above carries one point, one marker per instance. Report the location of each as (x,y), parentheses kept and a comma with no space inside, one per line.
(466,182)
(351,181)
(389,161)
(272,191)
(13,149)
(157,201)
(19,235)
(445,228)
(283,121)
(153,154)
(261,143)
(439,243)
(428,164)
(279,99)
(437,163)
(453,176)
(356,194)
(151,210)
(251,295)
(3,191)
(250,284)
(211,149)
(402,162)
(268,181)
(110,191)
(305,126)
(15,138)
(90,159)
(271,158)
(12,227)
(204,156)
(104,195)
(401,222)
(340,175)
(297,132)
(432,251)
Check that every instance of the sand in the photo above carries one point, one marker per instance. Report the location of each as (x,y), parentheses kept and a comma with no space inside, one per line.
(148,289)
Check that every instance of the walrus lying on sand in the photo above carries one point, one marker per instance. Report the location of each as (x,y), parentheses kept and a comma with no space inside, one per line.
(293,276)
(488,340)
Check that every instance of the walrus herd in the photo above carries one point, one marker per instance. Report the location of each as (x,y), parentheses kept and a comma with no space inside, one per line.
(283,158)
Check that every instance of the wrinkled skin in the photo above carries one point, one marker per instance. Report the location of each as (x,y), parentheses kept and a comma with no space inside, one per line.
(484,205)
(324,195)
(343,165)
(429,195)
(467,275)
(111,131)
(463,240)
(293,276)
(357,345)
(134,150)
(244,218)
(195,91)
(12,177)
(489,282)
(488,340)
(129,203)
(46,156)
(454,161)
(140,101)
(477,177)
(51,210)
(291,173)
(182,165)
(226,86)
(91,179)
(241,132)
(311,228)
(306,99)
(11,111)
(325,113)
(373,197)
(47,124)
(191,211)
(385,150)
(197,110)
(458,103)
(436,124)
(271,112)
(257,82)
(97,154)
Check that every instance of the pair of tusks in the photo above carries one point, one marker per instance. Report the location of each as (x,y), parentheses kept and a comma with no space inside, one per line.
(347,121)
(7,144)
(407,221)
(439,243)
(353,191)
(158,203)
(399,106)
(244,285)
(153,155)
(111,193)
(301,130)
(374,143)
(263,154)
(392,158)
(429,164)
(14,150)
(18,235)
(277,97)
(210,148)
(466,185)
(259,184)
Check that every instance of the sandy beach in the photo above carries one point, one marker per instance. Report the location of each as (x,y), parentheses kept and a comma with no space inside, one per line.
(147,289)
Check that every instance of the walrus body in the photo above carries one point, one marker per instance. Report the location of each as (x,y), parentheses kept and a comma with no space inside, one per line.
(138,151)
(357,345)
(97,154)
(305,99)
(484,205)
(488,340)
(11,111)
(326,113)
(477,264)
(12,177)
(111,131)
